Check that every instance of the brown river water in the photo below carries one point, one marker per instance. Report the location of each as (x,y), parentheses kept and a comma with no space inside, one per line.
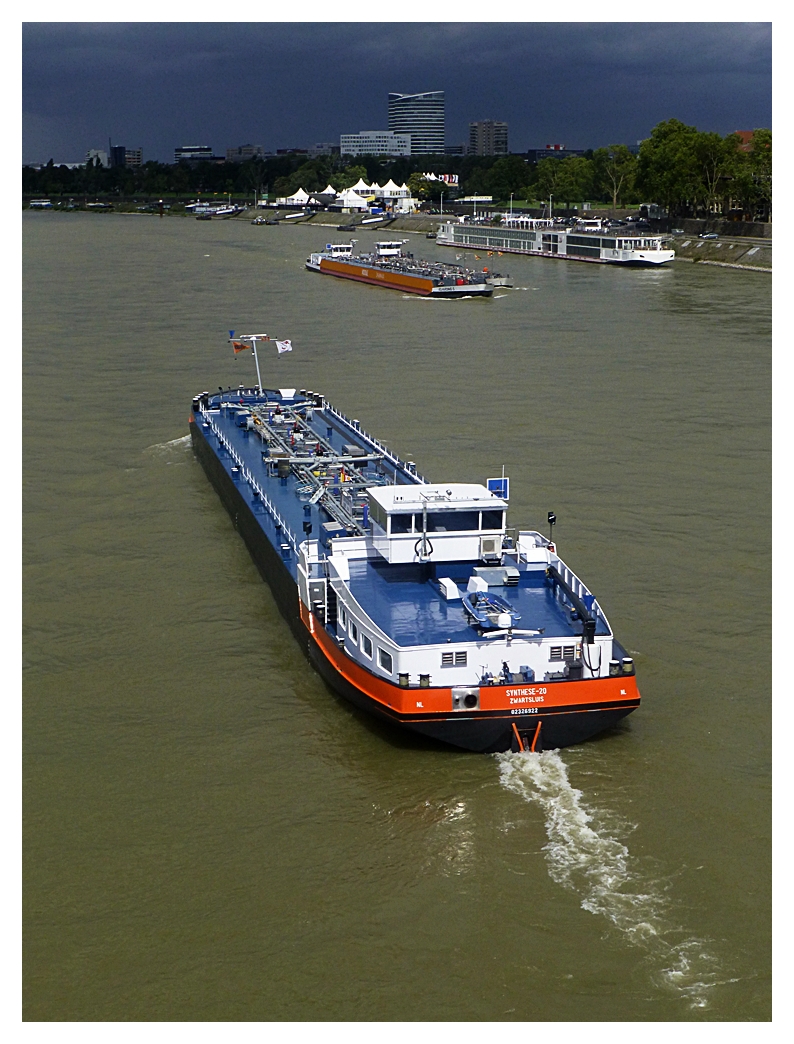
(209,833)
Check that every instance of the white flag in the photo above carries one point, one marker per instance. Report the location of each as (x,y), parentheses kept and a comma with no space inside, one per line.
(284,346)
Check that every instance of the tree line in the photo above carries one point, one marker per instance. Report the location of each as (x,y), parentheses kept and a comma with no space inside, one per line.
(685,171)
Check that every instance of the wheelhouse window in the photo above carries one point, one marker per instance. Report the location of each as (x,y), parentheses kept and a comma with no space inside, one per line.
(366,645)
(452,521)
(492,519)
(354,632)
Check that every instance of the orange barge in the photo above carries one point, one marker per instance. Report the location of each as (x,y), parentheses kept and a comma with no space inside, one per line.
(389,267)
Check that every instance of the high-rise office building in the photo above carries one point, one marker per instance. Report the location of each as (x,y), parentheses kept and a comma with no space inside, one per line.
(487,138)
(421,116)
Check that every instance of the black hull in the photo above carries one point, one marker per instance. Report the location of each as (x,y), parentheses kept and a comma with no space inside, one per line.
(269,563)
(486,733)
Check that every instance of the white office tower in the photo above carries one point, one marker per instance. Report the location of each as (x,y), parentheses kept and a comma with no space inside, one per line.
(421,116)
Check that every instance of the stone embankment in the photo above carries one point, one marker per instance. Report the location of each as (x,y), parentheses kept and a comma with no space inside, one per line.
(752,254)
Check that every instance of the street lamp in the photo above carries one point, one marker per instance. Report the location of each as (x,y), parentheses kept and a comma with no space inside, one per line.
(511,204)
(442,203)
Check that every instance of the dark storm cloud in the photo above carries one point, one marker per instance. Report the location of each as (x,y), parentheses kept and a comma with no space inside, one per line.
(284,84)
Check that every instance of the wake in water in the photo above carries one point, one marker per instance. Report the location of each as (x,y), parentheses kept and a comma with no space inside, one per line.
(599,868)
(175,449)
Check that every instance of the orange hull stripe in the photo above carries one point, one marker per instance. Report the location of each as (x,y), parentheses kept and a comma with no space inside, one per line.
(526,698)
(391,280)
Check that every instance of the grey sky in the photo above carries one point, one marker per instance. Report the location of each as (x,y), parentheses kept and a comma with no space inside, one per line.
(285,85)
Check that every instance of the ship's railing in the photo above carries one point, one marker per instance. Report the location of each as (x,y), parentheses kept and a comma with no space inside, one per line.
(246,473)
(387,453)
(580,589)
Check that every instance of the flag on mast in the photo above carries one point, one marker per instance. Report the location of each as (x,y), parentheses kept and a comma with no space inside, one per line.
(284,346)
(239,346)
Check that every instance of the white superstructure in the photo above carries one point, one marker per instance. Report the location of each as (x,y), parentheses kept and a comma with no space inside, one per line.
(544,238)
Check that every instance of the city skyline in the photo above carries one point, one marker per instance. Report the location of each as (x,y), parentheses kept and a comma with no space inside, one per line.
(156,86)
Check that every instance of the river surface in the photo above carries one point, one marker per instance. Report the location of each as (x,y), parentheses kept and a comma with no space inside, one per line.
(209,833)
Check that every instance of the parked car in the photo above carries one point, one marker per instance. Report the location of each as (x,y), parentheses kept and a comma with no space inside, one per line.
(677,232)
(708,235)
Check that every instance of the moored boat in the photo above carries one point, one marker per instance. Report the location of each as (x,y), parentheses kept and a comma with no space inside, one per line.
(208,211)
(390,267)
(589,241)
(406,593)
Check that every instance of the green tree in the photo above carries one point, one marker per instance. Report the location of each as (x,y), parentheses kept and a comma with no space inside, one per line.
(347,178)
(547,175)
(614,171)
(568,180)
(760,163)
(507,176)
(667,167)
(718,162)
(575,182)
(419,186)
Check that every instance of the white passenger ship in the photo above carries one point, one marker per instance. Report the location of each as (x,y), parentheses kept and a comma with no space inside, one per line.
(543,238)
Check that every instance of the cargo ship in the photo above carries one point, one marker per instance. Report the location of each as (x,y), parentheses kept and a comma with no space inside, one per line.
(390,267)
(414,599)
(542,237)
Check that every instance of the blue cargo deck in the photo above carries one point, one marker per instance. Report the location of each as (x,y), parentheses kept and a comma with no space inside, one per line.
(323,428)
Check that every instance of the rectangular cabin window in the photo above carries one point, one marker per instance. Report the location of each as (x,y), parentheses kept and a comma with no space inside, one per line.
(452,521)
(555,653)
(366,646)
(447,659)
(460,658)
(401,523)
(385,661)
(376,513)
(343,617)
(492,519)
(354,632)
(569,652)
